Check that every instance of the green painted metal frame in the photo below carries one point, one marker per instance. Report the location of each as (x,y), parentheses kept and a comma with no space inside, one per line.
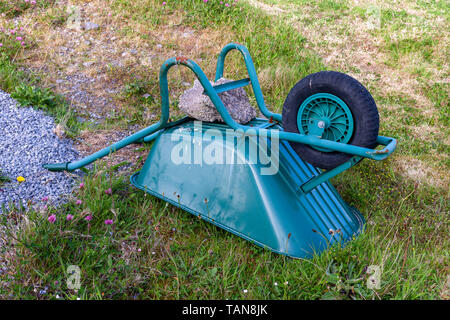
(324,176)
(150,132)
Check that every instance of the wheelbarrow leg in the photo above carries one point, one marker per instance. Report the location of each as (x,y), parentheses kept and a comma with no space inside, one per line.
(326,175)
(138,136)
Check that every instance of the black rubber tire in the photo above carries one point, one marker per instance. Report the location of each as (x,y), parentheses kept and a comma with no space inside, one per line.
(358,99)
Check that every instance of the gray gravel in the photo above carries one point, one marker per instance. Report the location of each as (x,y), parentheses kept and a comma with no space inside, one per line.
(27,141)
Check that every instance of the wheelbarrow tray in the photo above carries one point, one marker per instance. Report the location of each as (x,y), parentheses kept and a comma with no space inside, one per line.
(268,210)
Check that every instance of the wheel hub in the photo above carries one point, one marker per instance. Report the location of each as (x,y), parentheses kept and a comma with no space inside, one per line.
(321,124)
(326,116)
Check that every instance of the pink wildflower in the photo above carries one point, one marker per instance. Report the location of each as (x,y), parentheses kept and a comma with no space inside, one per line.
(108,191)
(81,185)
(109,221)
(52,218)
(69,217)
(78,202)
(88,218)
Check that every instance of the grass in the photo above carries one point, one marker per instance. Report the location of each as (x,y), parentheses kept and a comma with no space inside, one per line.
(3,178)
(26,86)
(156,251)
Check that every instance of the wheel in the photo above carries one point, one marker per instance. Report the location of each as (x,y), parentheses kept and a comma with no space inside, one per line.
(333,106)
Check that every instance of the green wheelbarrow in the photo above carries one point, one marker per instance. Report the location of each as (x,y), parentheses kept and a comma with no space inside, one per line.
(265,181)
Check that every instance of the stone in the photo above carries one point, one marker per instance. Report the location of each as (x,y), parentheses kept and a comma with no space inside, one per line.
(146,61)
(199,106)
(59,131)
(90,26)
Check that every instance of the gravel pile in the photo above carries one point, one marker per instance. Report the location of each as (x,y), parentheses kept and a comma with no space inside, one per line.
(27,141)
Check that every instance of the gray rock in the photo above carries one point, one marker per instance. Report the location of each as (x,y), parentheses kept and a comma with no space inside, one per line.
(90,26)
(199,106)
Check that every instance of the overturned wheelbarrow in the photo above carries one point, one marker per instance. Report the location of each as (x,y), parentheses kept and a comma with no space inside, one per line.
(263,181)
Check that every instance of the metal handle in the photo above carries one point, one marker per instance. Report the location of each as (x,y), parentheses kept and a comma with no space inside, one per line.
(251,73)
(212,92)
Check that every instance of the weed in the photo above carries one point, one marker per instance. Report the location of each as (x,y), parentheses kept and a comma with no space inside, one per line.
(28,95)
(3,178)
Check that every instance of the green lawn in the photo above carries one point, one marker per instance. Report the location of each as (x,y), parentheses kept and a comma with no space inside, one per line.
(156,251)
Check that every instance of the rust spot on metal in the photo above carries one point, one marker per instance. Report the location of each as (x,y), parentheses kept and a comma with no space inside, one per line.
(381,151)
(271,119)
(182,60)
